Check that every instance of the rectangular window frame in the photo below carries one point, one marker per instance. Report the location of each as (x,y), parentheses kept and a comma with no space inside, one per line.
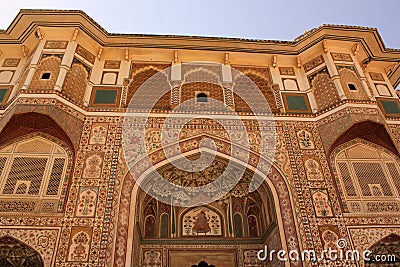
(111,88)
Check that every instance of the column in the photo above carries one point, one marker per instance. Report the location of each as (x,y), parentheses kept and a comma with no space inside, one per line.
(88,92)
(65,64)
(34,63)
(363,78)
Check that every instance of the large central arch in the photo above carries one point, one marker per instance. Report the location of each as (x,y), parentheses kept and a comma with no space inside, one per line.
(126,245)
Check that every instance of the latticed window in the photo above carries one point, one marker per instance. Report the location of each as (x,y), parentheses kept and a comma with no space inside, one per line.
(32,176)
(369,174)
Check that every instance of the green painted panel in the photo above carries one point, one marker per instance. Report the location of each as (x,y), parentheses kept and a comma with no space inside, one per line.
(105,97)
(237,221)
(3,93)
(296,102)
(391,107)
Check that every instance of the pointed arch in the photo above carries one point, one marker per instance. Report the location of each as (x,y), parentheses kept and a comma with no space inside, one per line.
(201,74)
(36,159)
(348,77)
(262,80)
(324,90)
(76,81)
(273,179)
(15,253)
(212,96)
(371,133)
(140,73)
(149,226)
(32,122)
(368,130)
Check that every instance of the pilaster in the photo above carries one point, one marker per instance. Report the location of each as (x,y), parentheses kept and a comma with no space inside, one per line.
(334,74)
(33,65)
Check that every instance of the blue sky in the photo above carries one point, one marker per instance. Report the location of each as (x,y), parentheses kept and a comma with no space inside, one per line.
(276,20)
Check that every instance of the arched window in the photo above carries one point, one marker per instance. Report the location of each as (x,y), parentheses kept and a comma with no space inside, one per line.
(33,176)
(253,217)
(149,215)
(369,177)
(202,98)
(352,87)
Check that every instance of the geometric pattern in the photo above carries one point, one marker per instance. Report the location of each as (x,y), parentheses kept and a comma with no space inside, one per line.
(101,136)
(349,76)
(324,89)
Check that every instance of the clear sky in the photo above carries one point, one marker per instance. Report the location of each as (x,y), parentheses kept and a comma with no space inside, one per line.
(258,19)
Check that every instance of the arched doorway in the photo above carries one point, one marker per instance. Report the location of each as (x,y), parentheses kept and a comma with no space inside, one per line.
(141,250)
(14,253)
(129,250)
(215,232)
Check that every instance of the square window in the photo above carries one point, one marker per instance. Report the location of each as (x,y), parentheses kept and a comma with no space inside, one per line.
(105,96)
(296,102)
(46,76)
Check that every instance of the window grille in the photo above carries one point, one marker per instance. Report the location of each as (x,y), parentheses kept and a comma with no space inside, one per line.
(370,174)
(33,170)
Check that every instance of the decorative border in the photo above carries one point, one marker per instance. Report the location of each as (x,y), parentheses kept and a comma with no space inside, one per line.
(112,64)
(11,62)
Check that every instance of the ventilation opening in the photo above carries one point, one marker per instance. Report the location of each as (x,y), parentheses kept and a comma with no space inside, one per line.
(202,98)
(46,76)
(352,87)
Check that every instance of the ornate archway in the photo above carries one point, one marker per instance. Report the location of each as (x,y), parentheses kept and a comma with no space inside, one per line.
(128,241)
(216,232)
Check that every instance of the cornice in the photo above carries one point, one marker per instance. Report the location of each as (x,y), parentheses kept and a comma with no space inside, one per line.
(371,42)
(32,18)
